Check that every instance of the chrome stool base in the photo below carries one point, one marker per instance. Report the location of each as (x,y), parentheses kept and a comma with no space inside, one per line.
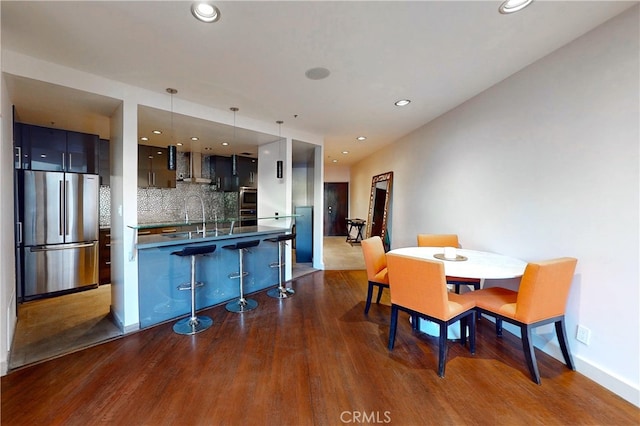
(281,293)
(192,326)
(241,305)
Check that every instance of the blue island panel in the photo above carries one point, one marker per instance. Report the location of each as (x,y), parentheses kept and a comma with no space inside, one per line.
(160,274)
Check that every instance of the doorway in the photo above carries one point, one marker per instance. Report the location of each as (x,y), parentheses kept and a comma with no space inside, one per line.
(336,203)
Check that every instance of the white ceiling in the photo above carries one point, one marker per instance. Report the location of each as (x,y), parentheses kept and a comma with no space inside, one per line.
(436,53)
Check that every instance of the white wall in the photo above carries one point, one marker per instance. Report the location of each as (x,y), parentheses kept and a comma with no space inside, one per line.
(542,165)
(337,173)
(7,258)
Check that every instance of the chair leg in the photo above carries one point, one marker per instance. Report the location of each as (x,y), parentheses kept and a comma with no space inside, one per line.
(456,288)
(393,325)
(561,332)
(380,288)
(472,333)
(442,348)
(529,354)
(498,327)
(369,295)
(463,330)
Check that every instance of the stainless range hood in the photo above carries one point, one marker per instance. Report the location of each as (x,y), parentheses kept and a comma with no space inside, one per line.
(195,169)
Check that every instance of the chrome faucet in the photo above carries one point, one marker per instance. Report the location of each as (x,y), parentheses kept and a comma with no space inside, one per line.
(186,212)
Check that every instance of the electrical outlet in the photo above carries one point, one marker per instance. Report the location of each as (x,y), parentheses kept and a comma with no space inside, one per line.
(583,335)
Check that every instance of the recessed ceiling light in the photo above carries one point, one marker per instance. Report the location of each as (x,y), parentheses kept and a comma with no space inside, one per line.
(144,138)
(345,152)
(361,138)
(511,6)
(335,161)
(159,152)
(179,144)
(157,132)
(225,143)
(205,12)
(317,73)
(403,102)
(194,138)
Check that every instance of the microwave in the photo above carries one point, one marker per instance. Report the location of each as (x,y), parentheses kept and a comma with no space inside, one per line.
(248,197)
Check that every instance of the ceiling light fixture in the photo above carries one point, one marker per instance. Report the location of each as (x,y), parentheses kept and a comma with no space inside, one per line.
(511,6)
(144,138)
(205,12)
(361,138)
(157,132)
(194,138)
(345,152)
(402,102)
(171,149)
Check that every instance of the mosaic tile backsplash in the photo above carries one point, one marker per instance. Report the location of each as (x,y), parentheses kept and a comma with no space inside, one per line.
(168,204)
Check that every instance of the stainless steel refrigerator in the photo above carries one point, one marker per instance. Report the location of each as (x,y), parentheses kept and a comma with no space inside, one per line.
(59,220)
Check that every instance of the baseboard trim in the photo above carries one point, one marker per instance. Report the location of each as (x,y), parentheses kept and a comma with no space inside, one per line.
(131,328)
(606,379)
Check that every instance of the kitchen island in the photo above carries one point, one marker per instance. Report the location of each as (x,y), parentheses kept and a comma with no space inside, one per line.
(160,274)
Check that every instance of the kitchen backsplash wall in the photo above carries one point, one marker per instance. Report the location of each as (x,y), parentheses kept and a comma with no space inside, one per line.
(168,204)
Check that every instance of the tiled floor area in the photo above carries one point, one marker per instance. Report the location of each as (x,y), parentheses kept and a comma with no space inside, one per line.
(49,328)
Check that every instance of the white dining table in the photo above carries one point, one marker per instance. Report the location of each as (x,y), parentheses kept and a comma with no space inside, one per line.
(468,264)
(476,264)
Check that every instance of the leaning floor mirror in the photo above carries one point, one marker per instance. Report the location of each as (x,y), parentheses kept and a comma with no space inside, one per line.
(379,205)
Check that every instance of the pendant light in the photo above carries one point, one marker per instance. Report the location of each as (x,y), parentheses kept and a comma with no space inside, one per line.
(171,149)
(234,158)
(279,162)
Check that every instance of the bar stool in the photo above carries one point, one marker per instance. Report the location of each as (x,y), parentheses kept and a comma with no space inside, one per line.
(242,304)
(280,292)
(193,324)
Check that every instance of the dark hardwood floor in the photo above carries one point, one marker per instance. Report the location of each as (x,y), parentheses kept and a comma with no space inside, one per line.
(314,359)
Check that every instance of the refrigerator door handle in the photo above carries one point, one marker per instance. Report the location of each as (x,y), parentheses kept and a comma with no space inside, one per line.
(70,165)
(60,247)
(66,207)
(63,163)
(61,208)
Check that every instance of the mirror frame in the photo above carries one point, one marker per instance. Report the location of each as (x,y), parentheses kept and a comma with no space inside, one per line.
(388,176)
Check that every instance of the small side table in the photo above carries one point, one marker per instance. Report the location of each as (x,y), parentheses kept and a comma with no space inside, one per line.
(358,224)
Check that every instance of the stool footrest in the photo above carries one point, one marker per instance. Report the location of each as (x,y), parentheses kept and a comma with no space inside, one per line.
(187,286)
(237,275)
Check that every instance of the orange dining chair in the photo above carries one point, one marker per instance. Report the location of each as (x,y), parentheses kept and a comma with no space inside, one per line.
(418,286)
(376,263)
(541,299)
(447,240)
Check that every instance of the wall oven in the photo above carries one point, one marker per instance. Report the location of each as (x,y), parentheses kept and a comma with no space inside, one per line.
(248,206)
(248,198)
